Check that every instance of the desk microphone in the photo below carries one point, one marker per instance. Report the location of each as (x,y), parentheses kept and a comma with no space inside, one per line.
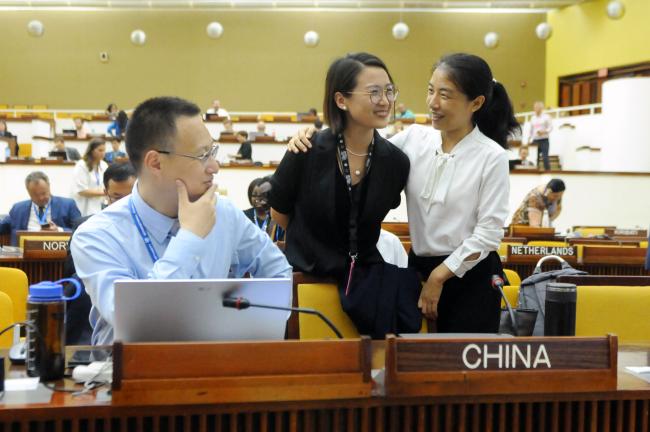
(497,282)
(240,303)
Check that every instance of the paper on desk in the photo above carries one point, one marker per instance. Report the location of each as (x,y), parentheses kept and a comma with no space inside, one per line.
(21,384)
(642,372)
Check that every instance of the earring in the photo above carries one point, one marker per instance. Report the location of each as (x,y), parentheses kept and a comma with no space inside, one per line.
(344,108)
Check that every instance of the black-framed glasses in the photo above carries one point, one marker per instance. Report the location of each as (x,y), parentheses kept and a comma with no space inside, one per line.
(377,93)
(204,158)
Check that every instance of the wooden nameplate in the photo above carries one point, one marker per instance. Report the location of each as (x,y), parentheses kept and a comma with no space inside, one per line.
(525,254)
(490,366)
(46,248)
(531,233)
(224,372)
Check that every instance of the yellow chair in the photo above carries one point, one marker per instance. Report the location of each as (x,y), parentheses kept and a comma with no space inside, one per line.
(512,294)
(324,298)
(643,244)
(25,150)
(6,319)
(622,310)
(547,243)
(513,277)
(13,282)
(587,232)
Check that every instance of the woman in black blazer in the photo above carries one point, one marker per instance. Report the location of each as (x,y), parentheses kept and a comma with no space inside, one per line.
(350,166)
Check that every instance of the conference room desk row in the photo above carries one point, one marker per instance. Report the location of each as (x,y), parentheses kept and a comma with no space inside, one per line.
(623,408)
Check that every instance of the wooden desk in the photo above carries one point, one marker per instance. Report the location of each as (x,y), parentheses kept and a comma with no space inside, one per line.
(623,409)
(37,269)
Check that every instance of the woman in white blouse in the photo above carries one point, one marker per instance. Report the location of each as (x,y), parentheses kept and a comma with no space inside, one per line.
(88,189)
(457,193)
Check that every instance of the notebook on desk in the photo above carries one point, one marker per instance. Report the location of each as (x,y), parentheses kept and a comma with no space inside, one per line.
(192,310)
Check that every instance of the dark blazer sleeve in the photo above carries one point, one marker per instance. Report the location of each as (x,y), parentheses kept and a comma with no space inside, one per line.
(5,225)
(286,182)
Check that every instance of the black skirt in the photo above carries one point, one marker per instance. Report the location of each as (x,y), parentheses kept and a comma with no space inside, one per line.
(468,304)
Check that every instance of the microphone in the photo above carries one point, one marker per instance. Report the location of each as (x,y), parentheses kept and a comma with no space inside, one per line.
(241,303)
(497,282)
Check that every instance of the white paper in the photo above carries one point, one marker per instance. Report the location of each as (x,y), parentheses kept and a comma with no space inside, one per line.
(21,384)
(642,372)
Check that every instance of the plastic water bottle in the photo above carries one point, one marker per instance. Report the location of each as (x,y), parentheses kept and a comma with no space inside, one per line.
(46,334)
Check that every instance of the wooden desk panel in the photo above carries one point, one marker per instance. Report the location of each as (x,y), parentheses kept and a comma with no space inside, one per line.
(626,408)
(37,270)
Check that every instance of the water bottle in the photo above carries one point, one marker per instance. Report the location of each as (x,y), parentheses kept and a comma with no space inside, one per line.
(560,309)
(46,334)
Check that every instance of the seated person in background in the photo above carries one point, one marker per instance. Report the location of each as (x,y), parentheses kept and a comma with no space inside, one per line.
(391,249)
(5,133)
(119,179)
(403,112)
(313,112)
(71,153)
(523,157)
(261,129)
(245,152)
(227,127)
(87,189)
(81,131)
(42,211)
(118,127)
(110,157)
(543,198)
(172,226)
(111,111)
(216,109)
(260,212)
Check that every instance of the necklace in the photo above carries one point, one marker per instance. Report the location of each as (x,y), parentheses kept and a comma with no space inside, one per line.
(355,154)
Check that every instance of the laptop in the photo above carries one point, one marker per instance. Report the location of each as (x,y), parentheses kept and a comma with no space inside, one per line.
(62,154)
(192,310)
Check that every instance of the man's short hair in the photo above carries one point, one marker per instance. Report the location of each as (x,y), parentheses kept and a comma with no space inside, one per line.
(35,176)
(153,126)
(118,172)
(242,133)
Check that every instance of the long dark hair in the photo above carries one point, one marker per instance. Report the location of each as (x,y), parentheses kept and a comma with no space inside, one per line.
(88,155)
(122,119)
(472,75)
(342,77)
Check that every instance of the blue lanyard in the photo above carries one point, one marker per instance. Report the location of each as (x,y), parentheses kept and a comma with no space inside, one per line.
(42,221)
(143,232)
(264,225)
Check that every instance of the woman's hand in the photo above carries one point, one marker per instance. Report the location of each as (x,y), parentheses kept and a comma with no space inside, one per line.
(300,142)
(431,291)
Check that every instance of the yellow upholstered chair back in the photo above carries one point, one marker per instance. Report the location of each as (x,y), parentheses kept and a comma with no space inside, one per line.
(513,277)
(6,319)
(622,310)
(547,243)
(13,282)
(325,299)
(586,232)
(643,244)
(512,293)
(25,150)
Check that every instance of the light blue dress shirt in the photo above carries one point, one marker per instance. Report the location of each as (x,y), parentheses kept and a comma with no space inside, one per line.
(109,247)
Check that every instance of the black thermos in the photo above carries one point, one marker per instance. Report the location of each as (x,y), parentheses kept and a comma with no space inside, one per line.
(560,309)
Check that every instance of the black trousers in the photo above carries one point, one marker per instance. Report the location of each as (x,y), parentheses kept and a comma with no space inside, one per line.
(542,148)
(468,304)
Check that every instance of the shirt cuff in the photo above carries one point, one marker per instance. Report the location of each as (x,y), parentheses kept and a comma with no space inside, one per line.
(459,267)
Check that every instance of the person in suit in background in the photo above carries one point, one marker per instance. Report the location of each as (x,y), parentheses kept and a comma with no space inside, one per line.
(42,212)
(119,179)
(260,212)
(71,153)
(110,157)
(5,133)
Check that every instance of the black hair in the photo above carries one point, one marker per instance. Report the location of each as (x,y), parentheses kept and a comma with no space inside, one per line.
(556,185)
(256,182)
(318,124)
(122,120)
(313,111)
(88,155)
(118,172)
(110,105)
(153,126)
(342,78)
(472,75)
(242,133)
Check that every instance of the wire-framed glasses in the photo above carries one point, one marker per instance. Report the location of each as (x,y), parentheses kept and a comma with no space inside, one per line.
(377,93)
(203,158)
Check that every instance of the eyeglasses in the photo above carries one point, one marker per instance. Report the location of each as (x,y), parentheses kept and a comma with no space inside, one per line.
(377,93)
(204,158)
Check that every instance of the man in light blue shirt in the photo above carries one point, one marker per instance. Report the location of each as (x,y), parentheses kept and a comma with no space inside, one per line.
(172,226)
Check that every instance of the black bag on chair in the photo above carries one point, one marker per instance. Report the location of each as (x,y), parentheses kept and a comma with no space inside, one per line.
(517,322)
(382,298)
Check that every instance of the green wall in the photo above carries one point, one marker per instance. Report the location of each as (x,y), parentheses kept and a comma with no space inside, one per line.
(259,64)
